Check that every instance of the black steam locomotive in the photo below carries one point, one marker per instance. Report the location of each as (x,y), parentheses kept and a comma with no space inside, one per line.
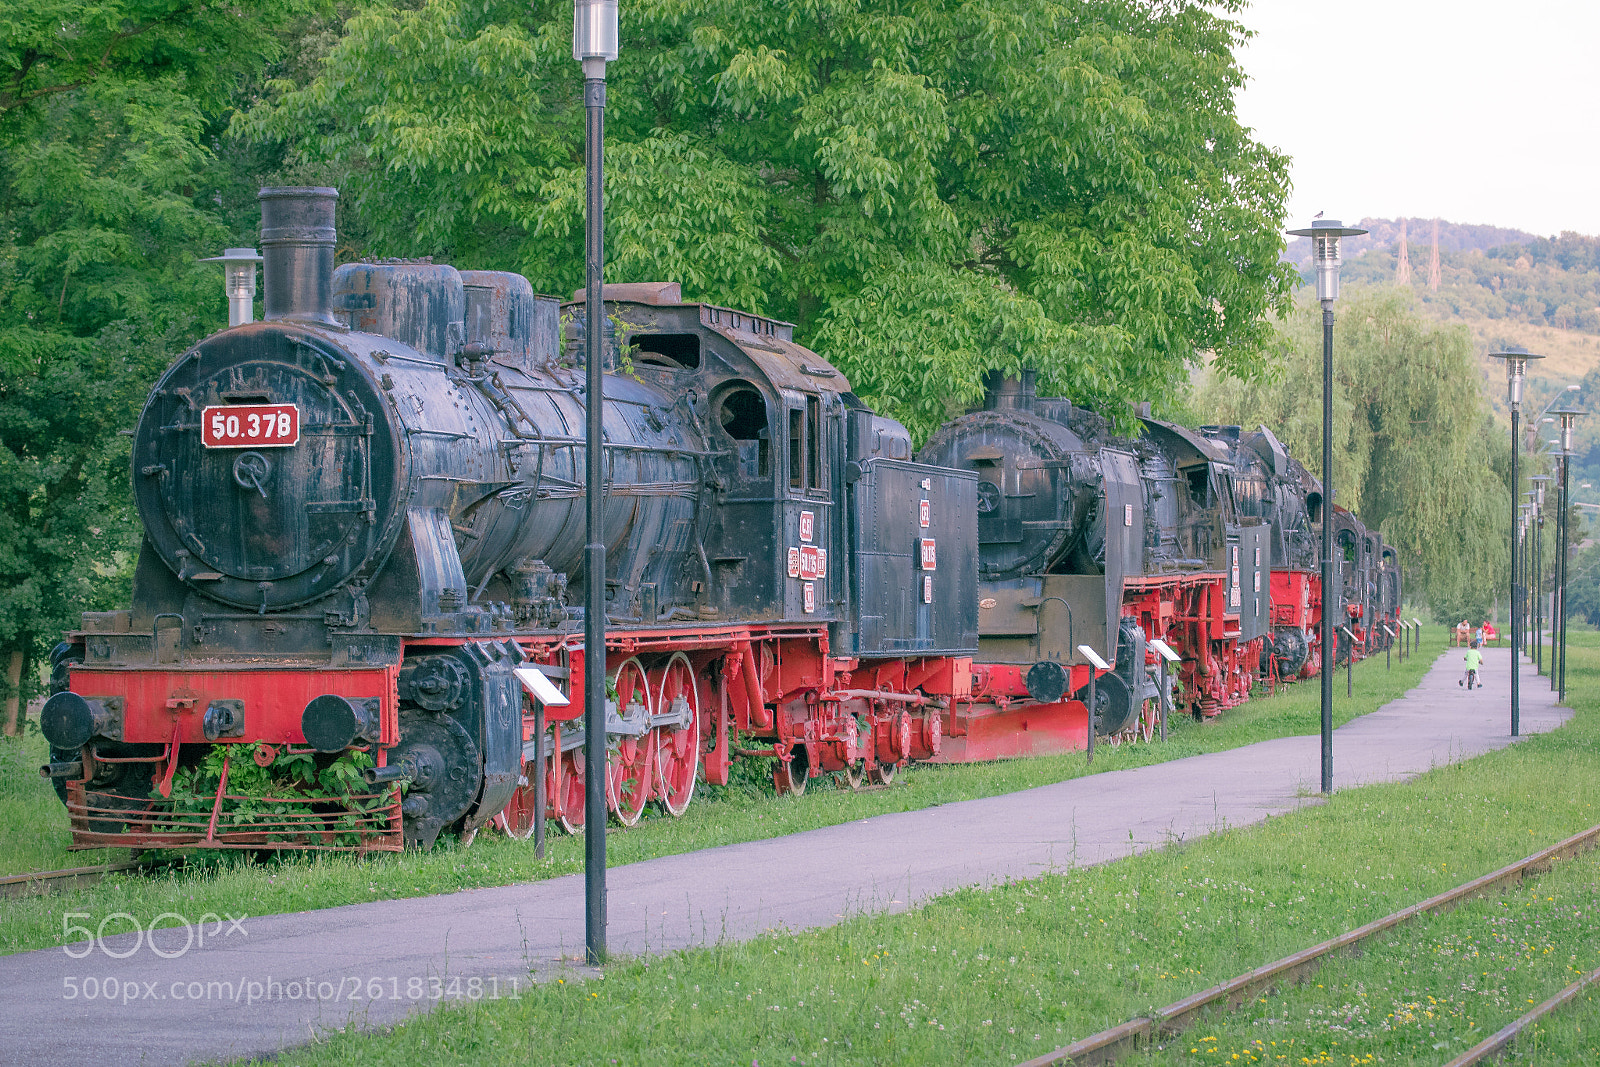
(363,549)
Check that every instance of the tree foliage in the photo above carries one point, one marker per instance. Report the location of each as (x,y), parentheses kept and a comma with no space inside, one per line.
(1583,584)
(929,189)
(1416,452)
(109,190)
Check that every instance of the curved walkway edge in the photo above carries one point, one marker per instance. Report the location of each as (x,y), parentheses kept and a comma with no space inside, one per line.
(275,981)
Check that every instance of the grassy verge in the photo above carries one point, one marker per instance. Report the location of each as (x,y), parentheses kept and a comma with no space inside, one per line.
(1439,986)
(34,835)
(1002,975)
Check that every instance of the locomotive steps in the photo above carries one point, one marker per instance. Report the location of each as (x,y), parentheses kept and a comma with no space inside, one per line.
(732,893)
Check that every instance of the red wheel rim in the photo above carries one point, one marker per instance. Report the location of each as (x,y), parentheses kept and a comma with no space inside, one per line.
(566,802)
(516,819)
(630,765)
(677,750)
(628,773)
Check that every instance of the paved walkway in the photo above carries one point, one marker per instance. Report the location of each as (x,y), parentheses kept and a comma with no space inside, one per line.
(246,991)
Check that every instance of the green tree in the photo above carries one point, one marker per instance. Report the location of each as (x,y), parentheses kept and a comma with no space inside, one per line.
(929,189)
(1583,585)
(109,192)
(1416,453)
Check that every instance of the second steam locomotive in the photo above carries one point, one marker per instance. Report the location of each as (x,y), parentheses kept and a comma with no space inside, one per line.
(363,563)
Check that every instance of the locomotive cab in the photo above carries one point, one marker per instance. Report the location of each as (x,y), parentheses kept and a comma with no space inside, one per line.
(813,508)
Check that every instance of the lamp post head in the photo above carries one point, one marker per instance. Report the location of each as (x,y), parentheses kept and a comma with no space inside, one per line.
(594,35)
(238,282)
(1568,416)
(1538,481)
(1325,234)
(1516,358)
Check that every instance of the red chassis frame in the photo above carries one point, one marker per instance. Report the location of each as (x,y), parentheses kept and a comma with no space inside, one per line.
(1189,612)
(752,691)
(165,706)
(1297,604)
(755,691)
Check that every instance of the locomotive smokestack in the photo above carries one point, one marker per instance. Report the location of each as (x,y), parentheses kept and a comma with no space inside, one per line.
(1002,393)
(297,241)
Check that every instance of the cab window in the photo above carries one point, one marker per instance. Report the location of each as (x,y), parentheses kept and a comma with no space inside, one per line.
(797,449)
(743,417)
(813,443)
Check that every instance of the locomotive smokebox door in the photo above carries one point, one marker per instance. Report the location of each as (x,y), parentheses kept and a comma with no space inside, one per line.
(915,533)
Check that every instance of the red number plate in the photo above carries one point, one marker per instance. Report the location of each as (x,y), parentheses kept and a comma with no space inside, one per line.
(250,426)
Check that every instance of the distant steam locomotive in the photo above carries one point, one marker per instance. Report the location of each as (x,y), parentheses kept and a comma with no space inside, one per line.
(364,529)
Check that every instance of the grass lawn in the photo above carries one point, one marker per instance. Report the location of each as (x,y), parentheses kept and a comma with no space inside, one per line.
(33,824)
(1434,989)
(1002,975)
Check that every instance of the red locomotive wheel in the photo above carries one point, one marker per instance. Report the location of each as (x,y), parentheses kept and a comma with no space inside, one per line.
(790,775)
(855,774)
(516,819)
(566,794)
(1148,720)
(629,770)
(630,766)
(677,746)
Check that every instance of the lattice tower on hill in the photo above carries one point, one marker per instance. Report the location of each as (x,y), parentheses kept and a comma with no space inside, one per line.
(1433,260)
(1402,270)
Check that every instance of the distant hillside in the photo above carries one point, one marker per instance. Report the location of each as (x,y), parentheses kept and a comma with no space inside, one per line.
(1507,287)
(1453,237)
(1543,282)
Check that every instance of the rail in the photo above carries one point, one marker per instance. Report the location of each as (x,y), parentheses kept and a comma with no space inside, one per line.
(33,883)
(1495,1044)
(1109,1046)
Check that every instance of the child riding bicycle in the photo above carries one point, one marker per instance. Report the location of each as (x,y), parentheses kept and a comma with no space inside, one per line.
(1474,660)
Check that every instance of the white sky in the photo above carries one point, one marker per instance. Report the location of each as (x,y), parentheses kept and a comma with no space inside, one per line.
(1470,111)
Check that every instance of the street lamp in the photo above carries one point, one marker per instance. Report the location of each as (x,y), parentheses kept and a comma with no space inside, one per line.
(1568,416)
(1524,535)
(1324,235)
(239,282)
(1537,584)
(594,44)
(1516,375)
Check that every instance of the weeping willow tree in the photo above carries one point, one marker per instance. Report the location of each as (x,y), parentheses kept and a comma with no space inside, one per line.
(1416,451)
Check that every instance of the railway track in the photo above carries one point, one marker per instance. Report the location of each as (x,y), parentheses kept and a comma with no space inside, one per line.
(1111,1045)
(1497,1043)
(39,882)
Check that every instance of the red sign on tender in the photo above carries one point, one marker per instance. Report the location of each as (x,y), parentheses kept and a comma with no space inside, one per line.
(927,554)
(809,595)
(250,426)
(927,589)
(923,514)
(810,563)
(794,563)
(808,525)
